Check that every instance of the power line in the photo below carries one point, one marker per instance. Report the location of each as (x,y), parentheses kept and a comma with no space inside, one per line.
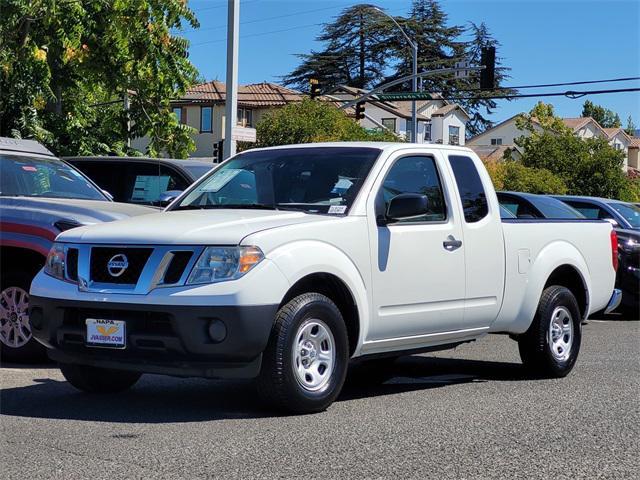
(569,94)
(545,85)
(257,34)
(247,22)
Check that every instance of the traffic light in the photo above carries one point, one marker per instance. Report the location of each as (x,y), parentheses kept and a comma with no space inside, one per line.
(218,151)
(359,110)
(314,90)
(487,74)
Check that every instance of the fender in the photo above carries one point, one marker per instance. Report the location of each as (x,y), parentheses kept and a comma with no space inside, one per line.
(298,259)
(519,309)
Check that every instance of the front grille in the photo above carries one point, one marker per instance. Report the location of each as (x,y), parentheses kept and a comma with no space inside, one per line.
(176,267)
(72,264)
(136,259)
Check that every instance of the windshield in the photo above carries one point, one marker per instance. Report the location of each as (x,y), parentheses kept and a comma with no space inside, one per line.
(314,180)
(25,176)
(630,212)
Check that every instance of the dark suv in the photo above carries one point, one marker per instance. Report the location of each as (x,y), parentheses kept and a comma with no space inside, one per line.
(142,180)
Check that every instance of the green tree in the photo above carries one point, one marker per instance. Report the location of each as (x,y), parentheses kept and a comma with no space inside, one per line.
(355,53)
(587,166)
(605,117)
(312,121)
(65,67)
(631,127)
(514,176)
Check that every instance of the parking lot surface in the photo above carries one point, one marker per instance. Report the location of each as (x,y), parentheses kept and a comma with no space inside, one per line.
(467,413)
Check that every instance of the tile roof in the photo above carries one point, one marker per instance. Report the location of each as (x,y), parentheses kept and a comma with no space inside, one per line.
(576,123)
(635,142)
(263,94)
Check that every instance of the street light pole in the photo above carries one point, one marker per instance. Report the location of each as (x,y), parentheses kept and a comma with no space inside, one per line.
(231,100)
(414,82)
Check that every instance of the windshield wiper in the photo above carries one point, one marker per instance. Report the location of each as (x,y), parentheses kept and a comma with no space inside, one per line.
(248,206)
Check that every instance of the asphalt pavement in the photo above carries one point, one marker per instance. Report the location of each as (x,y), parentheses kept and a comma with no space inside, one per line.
(465,413)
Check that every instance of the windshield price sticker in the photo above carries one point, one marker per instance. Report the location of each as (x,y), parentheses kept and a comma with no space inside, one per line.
(337,209)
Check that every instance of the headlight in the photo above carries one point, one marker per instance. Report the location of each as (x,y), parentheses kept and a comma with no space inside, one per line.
(217,264)
(54,265)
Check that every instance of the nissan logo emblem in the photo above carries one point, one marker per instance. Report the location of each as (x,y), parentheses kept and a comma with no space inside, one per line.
(117,265)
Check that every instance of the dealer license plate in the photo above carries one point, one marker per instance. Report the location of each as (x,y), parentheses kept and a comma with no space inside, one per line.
(106,333)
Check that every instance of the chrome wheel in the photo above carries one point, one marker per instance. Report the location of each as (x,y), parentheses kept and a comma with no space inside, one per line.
(560,334)
(15,330)
(313,355)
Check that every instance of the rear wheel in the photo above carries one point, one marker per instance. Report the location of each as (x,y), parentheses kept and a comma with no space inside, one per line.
(305,362)
(550,347)
(98,380)
(16,341)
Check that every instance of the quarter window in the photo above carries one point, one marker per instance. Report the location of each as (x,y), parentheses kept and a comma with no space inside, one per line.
(474,199)
(206,119)
(416,175)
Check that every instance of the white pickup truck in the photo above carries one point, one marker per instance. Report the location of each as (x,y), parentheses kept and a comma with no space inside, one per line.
(285,263)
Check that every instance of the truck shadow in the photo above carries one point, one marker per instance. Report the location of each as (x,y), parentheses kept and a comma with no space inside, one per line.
(157,399)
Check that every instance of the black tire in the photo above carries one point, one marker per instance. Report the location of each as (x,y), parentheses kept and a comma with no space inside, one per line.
(278,384)
(536,348)
(31,351)
(98,380)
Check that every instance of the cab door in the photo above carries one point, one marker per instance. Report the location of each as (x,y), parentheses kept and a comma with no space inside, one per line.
(418,269)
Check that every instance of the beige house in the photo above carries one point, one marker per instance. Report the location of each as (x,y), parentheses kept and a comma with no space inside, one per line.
(203,108)
(493,142)
(634,153)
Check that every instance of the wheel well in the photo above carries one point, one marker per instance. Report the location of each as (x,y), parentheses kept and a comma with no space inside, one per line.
(334,288)
(567,276)
(12,258)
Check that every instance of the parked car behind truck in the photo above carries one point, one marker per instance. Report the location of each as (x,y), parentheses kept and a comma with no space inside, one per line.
(40,196)
(265,268)
(141,180)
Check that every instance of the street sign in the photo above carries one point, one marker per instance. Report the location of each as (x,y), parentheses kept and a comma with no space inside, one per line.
(244,134)
(404,96)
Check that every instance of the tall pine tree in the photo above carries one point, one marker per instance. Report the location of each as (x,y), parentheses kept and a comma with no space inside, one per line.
(355,53)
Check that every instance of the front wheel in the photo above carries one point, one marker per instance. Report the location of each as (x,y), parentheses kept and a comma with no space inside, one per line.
(550,347)
(98,380)
(305,362)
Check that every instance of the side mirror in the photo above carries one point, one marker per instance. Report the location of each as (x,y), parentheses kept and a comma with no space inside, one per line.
(107,194)
(169,196)
(407,205)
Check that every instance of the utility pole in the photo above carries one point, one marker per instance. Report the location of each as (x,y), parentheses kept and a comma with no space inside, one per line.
(231,101)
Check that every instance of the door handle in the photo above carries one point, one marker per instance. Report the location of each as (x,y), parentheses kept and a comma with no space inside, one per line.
(451,244)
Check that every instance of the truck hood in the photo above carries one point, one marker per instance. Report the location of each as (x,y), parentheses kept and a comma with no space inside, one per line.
(189,227)
(50,210)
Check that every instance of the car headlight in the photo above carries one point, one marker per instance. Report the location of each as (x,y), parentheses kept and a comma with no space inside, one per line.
(218,264)
(54,265)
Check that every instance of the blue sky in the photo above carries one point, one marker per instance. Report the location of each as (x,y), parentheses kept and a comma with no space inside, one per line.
(543,41)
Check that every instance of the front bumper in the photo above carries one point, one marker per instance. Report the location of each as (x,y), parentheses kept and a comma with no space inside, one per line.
(164,339)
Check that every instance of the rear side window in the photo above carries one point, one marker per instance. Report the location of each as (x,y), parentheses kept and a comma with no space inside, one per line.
(472,194)
(416,175)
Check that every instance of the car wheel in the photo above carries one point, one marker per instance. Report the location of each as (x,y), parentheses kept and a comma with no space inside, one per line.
(305,362)
(98,380)
(17,344)
(551,345)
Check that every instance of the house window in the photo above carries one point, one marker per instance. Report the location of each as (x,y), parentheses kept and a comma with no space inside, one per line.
(454,135)
(389,124)
(206,119)
(427,132)
(618,146)
(496,141)
(177,111)
(245,117)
